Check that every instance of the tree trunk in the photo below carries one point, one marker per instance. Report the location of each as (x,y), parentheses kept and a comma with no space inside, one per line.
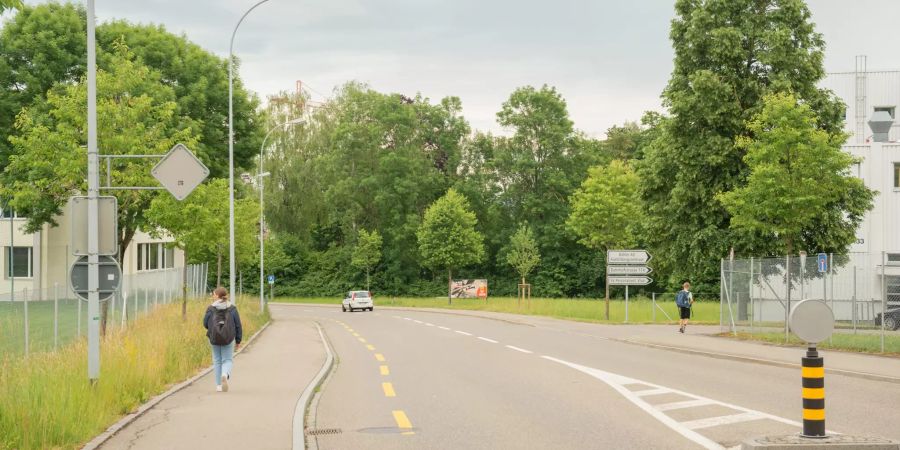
(219,266)
(449,287)
(184,287)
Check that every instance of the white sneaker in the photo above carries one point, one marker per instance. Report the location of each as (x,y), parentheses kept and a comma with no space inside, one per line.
(224,383)
(218,388)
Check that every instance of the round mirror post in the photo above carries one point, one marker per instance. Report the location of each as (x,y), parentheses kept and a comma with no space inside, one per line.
(813,372)
(813,321)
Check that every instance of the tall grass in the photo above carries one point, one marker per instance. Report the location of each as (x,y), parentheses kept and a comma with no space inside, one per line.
(865,343)
(640,310)
(47,402)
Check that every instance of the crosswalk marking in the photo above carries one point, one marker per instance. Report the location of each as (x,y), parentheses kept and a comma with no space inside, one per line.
(721,420)
(684,404)
(647,392)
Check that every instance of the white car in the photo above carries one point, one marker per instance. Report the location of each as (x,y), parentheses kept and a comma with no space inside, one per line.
(357,300)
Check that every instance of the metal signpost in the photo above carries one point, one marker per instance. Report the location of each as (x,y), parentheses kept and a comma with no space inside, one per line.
(271,280)
(109,282)
(627,268)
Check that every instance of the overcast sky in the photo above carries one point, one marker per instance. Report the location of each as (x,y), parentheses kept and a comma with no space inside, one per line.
(609,58)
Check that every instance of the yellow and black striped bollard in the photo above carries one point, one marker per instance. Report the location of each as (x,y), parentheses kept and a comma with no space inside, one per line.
(813,370)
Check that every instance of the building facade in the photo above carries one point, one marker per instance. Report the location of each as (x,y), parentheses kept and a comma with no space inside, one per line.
(37,264)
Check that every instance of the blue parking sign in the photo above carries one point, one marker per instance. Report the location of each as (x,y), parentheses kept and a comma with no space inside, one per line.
(822,260)
(271,279)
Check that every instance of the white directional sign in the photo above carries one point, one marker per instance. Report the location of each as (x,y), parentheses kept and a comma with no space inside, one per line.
(108,208)
(180,172)
(628,270)
(627,257)
(630,281)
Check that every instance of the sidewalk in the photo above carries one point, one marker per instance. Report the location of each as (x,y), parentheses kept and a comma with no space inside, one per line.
(702,339)
(268,378)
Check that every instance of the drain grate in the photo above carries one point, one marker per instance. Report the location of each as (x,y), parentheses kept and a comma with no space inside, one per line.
(323,431)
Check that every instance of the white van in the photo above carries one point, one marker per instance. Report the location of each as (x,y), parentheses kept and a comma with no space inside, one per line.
(358,300)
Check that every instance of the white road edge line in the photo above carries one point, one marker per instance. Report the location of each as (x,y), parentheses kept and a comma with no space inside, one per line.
(617,382)
(487,340)
(518,349)
(463,332)
(444,328)
(429,324)
(406,318)
(417,321)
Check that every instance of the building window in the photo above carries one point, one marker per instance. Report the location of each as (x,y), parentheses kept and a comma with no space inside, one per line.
(155,255)
(893,259)
(18,262)
(892,286)
(5,213)
(887,109)
(896,175)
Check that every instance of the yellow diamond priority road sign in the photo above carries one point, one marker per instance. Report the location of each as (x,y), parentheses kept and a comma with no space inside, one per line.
(180,172)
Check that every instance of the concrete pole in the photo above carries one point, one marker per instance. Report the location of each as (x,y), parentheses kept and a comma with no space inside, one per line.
(93,180)
(55,316)
(883,295)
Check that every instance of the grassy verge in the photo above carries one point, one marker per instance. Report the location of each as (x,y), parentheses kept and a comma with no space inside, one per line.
(46,401)
(640,310)
(864,343)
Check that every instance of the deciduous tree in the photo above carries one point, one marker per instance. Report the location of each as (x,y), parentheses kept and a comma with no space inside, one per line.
(367,252)
(448,238)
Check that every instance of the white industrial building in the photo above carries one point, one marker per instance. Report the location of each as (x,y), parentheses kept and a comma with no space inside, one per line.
(873,100)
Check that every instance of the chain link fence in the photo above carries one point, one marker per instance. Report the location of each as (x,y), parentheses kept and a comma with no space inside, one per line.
(33,321)
(758,293)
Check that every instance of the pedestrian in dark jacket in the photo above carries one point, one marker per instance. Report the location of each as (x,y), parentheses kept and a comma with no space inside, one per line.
(685,300)
(223,328)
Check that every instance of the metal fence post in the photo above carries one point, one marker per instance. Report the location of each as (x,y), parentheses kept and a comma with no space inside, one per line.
(653,297)
(78,300)
(750,291)
(55,316)
(883,295)
(853,302)
(25,303)
(787,309)
(156,295)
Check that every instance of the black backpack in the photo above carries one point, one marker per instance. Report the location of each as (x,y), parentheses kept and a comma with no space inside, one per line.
(221,327)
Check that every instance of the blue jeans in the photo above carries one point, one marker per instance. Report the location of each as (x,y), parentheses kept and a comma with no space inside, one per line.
(223,359)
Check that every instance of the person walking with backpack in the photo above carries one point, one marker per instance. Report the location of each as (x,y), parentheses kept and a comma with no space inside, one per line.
(684,299)
(223,328)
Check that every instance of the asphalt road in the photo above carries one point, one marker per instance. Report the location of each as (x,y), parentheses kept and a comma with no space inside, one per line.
(409,379)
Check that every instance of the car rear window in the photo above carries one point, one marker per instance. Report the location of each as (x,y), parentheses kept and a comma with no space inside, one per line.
(361,294)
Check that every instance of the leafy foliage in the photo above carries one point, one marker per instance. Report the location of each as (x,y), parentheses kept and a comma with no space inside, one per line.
(728,56)
(447,236)
(606,210)
(136,115)
(367,252)
(799,178)
(523,253)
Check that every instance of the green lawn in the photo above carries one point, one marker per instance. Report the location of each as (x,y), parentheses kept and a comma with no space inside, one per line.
(640,310)
(864,343)
(41,324)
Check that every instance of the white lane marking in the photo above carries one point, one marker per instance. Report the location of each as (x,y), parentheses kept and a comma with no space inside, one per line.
(721,420)
(444,328)
(647,392)
(463,332)
(406,318)
(618,383)
(397,317)
(417,321)
(518,349)
(681,405)
(429,324)
(487,340)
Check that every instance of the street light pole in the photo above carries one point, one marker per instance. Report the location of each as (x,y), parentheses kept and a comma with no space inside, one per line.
(260,175)
(93,181)
(231,262)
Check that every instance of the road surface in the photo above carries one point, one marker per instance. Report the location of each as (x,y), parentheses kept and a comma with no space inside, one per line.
(410,379)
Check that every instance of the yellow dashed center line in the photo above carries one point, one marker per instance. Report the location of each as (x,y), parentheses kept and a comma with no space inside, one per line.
(362,340)
(379,357)
(402,421)
(388,389)
(355,334)
(370,347)
(384,370)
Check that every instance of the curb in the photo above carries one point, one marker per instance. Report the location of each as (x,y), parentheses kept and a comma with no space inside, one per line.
(101,439)
(299,429)
(750,359)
